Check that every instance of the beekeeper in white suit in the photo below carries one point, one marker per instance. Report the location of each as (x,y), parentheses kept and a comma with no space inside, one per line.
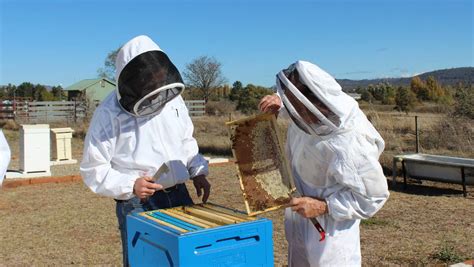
(138,128)
(333,152)
(4,156)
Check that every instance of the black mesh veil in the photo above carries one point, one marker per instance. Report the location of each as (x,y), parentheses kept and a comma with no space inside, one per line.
(148,82)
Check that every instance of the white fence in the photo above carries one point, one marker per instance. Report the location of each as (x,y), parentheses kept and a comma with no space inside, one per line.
(60,111)
(43,111)
(196,108)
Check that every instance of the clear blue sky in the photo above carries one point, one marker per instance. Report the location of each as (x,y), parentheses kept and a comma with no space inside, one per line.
(60,42)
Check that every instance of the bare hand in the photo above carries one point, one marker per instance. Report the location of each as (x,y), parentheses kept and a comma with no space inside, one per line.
(200,183)
(308,207)
(144,187)
(270,104)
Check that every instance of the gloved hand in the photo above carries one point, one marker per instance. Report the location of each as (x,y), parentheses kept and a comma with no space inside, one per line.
(200,183)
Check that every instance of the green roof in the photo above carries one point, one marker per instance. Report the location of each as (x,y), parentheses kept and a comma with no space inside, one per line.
(96,89)
(84,84)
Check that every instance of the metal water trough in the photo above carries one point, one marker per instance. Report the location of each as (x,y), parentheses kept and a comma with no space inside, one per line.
(435,168)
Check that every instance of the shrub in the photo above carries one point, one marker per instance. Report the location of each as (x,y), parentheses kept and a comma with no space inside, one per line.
(464,103)
(80,130)
(454,134)
(405,99)
(447,254)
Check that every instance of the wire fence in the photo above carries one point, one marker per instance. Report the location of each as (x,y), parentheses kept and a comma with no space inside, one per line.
(425,133)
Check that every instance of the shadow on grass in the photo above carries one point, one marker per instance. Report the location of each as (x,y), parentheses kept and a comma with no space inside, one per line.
(425,188)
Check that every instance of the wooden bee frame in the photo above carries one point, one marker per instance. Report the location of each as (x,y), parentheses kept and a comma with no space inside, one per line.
(264,175)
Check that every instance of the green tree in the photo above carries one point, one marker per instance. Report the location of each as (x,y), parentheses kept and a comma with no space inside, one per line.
(388,94)
(419,88)
(382,92)
(464,102)
(58,92)
(250,97)
(3,92)
(205,74)
(235,91)
(374,92)
(8,91)
(42,94)
(436,92)
(108,71)
(25,89)
(366,96)
(360,90)
(405,99)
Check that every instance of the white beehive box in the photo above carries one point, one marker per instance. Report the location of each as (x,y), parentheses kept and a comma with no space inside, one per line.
(35,149)
(61,143)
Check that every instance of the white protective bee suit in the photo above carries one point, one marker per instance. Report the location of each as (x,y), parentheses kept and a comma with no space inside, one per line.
(335,160)
(4,156)
(140,126)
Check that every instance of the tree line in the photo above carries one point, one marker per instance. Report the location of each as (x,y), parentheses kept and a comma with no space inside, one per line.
(204,80)
(459,98)
(32,92)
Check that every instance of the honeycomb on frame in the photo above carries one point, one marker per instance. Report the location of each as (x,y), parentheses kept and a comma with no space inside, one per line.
(264,175)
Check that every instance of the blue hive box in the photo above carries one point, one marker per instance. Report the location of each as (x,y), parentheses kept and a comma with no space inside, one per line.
(199,235)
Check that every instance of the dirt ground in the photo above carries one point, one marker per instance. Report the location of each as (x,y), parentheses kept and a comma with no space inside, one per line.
(62,224)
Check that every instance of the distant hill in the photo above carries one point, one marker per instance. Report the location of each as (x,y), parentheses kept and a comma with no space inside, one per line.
(444,77)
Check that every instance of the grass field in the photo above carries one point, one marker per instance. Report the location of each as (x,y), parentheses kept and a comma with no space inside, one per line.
(62,224)
(429,223)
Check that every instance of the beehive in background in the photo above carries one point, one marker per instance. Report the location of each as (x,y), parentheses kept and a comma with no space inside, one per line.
(263,171)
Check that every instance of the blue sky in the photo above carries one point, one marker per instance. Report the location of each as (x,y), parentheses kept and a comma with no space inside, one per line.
(56,42)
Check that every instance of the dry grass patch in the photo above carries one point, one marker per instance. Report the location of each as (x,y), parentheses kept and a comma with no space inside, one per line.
(62,224)
(431,223)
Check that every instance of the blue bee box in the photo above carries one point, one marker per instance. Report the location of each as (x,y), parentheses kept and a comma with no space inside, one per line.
(199,235)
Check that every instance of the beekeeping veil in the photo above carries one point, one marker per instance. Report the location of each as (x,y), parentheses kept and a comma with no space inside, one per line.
(146,77)
(313,98)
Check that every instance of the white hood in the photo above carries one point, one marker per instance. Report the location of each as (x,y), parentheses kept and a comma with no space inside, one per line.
(329,92)
(325,87)
(131,49)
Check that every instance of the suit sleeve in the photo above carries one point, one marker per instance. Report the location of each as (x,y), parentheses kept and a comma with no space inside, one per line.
(196,163)
(364,189)
(96,169)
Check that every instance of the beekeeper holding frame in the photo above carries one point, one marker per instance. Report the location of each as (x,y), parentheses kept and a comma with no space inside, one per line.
(333,151)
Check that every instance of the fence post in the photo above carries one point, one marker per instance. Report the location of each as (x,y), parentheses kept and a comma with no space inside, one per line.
(416,134)
(75,111)
(46,112)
